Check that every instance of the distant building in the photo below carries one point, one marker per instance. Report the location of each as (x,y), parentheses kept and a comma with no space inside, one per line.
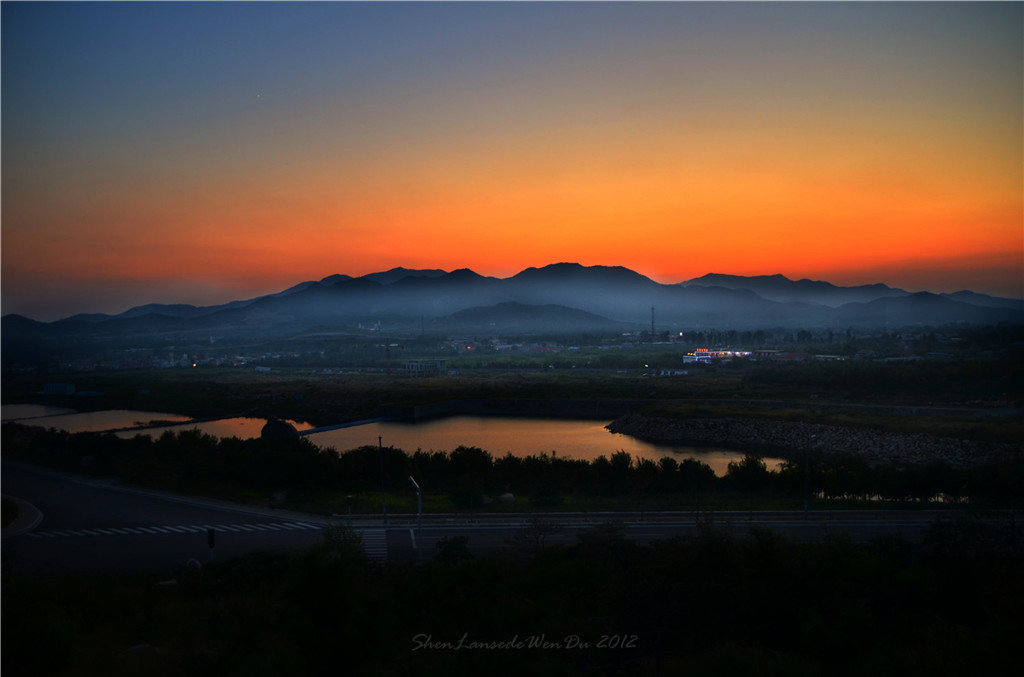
(766,354)
(704,354)
(423,367)
(58,389)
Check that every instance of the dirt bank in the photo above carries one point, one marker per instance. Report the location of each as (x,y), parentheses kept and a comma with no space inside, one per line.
(793,437)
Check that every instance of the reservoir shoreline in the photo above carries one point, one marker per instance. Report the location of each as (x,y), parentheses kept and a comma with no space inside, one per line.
(791,439)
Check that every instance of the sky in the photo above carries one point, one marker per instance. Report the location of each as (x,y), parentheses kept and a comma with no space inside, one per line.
(206,152)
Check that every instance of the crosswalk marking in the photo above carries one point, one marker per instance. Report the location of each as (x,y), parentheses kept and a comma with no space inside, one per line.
(188,528)
(375,543)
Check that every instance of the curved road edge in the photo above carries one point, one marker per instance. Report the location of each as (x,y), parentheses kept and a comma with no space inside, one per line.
(112,484)
(28,518)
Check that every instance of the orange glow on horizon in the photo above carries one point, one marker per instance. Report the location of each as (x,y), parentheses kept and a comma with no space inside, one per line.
(849,142)
(710,206)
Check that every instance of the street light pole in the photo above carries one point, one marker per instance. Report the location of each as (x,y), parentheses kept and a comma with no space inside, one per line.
(419,520)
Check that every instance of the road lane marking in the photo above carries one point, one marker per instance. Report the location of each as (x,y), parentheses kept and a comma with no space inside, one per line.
(180,529)
(375,543)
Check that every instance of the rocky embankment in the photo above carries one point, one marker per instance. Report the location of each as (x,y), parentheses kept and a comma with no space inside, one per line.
(878,447)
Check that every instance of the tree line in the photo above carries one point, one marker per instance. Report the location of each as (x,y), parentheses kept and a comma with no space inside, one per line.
(468,476)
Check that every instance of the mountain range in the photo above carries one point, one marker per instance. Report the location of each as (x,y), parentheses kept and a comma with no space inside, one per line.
(563,296)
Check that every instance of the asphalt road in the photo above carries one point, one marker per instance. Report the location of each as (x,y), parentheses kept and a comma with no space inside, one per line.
(91,525)
(489,538)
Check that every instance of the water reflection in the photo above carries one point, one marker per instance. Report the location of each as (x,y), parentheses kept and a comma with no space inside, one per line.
(241,427)
(18,412)
(578,439)
(99,421)
(130,423)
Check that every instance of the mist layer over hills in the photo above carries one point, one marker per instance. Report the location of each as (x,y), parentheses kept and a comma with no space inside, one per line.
(564,297)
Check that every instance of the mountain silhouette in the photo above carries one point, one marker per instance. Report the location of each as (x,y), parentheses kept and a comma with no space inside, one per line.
(516,317)
(575,297)
(396,274)
(921,308)
(781,288)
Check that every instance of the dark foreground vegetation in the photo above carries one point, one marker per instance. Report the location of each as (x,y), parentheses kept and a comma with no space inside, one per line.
(295,473)
(706,605)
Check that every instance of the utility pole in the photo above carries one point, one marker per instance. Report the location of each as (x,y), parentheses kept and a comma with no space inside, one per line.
(419,520)
(652,324)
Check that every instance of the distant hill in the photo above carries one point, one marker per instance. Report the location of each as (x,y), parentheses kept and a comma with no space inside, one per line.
(396,274)
(921,308)
(562,295)
(14,323)
(984,300)
(512,317)
(784,290)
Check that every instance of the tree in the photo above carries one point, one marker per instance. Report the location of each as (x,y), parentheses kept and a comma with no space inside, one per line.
(749,474)
(340,542)
(696,476)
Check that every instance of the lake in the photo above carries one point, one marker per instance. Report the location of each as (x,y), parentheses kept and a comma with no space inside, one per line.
(86,421)
(118,419)
(578,439)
